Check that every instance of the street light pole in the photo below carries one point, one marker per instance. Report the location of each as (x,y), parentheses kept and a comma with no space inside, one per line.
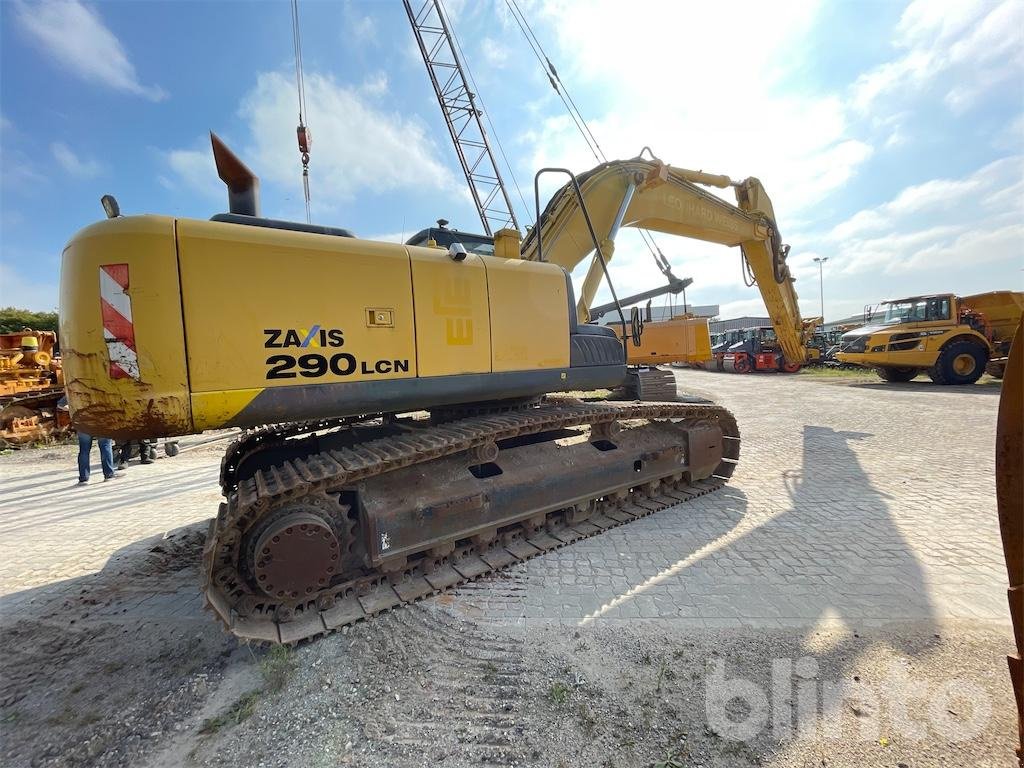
(821,285)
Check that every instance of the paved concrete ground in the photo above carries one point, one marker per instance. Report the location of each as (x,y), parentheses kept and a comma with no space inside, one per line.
(856,504)
(869,501)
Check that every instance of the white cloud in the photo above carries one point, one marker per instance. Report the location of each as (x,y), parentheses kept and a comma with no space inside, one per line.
(493,52)
(729,115)
(391,237)
(967,47)
(994,183)
(358,27)
(375,84)
(75,36)
(19,171)
(195,169)
(733,114)
(18,291)
(967,230)
(72,164)
(356,146)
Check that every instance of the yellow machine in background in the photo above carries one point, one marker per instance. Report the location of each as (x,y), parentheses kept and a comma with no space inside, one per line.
(951,338)
(404,441)
(31,384)
(679,340)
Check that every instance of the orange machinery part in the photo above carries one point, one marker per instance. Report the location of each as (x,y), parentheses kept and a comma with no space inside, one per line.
(679,340)
(1010,501)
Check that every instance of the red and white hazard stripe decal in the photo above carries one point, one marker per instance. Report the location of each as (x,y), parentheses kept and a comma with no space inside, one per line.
(118,330)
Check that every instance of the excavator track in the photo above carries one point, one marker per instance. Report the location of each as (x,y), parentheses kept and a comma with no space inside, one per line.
(382,513)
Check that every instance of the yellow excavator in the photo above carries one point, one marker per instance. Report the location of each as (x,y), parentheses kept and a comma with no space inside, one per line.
(405,437)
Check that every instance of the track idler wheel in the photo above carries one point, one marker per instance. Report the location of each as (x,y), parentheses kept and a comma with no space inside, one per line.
(295,555)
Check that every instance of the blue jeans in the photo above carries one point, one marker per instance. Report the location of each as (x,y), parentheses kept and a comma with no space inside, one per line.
(106,455)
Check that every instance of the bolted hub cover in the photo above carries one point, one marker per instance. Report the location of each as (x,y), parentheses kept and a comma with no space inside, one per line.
(295,556)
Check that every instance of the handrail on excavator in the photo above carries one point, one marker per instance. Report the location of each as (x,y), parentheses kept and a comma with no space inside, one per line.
(590,227)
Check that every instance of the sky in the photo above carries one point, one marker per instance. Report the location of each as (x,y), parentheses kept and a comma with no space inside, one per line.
(889,135)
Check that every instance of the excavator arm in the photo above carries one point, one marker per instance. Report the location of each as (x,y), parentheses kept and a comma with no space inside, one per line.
(651,195)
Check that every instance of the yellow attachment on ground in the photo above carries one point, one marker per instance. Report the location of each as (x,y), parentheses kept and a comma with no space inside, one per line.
(679,340)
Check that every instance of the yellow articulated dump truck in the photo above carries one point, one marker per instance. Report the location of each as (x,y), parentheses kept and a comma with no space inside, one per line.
(953,339)
(406,435)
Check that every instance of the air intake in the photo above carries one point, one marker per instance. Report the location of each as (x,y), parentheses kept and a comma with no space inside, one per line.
(243,185)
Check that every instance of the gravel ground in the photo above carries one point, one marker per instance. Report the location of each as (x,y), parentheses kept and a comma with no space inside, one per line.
(117,665)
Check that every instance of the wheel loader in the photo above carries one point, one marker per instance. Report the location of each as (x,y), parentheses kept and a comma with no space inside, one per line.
(405,431)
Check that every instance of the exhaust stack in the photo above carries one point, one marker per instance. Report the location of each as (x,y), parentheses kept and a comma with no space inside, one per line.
(243,185)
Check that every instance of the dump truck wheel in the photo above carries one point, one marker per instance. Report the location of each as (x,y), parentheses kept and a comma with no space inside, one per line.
(897,374)
(962,362)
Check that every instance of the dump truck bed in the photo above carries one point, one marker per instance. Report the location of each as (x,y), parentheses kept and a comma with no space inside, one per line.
(1003,310)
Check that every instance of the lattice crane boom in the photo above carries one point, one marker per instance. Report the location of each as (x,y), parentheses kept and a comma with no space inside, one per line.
(462,116)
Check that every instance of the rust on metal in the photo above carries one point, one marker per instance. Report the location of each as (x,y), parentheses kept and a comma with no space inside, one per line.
(411,514)
(295,556)
(1010,501)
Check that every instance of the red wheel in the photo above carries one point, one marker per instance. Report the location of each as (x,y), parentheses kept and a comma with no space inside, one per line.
(791,367)
(741,364)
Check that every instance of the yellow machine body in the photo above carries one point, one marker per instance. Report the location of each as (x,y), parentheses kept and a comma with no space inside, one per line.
(175,326)
(245,325)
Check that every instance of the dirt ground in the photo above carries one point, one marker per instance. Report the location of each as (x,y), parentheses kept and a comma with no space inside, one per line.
(116,664)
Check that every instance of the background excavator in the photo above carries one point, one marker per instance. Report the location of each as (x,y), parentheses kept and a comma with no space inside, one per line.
(404,441)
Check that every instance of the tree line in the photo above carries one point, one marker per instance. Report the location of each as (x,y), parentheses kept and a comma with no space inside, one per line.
(13,320)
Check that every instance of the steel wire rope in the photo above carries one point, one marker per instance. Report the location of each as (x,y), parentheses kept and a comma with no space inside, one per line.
(487,115)
(300,87)
(577,117)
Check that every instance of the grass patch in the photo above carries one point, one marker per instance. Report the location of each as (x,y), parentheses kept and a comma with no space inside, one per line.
(277,667)
(235,714)
(838,373)
(558,692)
(670,760)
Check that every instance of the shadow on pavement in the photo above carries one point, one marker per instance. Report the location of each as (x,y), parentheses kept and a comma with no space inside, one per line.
(927,387)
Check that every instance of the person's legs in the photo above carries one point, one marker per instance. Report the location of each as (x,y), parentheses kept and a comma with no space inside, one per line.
(107,456)
(124,453)
(84,448)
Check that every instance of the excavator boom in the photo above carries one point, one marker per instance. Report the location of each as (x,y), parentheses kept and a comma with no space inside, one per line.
(649,194)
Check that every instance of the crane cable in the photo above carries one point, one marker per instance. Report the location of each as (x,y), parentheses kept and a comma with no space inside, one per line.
(305,138)
(578,119)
